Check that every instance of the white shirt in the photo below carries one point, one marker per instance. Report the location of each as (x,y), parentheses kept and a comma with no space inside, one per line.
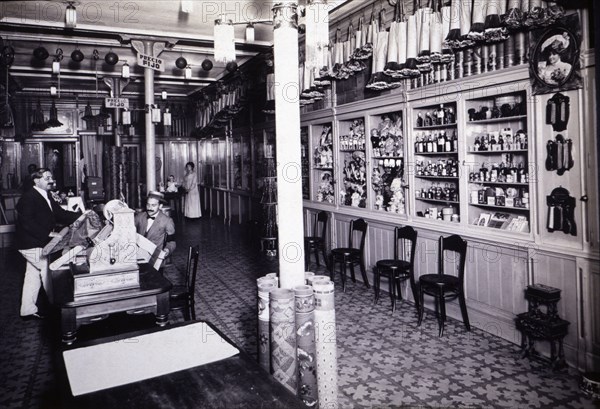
(150,222)
(44,195)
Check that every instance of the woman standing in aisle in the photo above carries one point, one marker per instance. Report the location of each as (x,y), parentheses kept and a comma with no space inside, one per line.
(192,197)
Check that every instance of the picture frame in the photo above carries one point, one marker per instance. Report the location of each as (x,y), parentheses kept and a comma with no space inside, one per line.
(555,57)
(68,127)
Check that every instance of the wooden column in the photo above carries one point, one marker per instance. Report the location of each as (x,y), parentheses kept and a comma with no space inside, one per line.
(287,128)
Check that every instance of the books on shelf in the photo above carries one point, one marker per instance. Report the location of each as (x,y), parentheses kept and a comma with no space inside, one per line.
(503,221)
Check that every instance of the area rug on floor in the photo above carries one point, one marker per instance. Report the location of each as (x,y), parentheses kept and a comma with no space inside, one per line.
(130,360)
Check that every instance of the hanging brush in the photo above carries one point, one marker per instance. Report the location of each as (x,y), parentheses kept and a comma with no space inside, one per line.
(53,122)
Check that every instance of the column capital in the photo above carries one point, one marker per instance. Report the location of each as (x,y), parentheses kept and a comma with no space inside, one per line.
(285,15)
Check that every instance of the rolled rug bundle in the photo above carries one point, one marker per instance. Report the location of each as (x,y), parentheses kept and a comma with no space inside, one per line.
(283,337)
(554,12)
(452,40)
(424,50)
(305,344)
(477,32)
(435,38)
(264,337)
(396,64)
(410,68)
(327,377)
(495,31)
(308,277)
(466,9)
(365,49)
(379,81)
(446,14)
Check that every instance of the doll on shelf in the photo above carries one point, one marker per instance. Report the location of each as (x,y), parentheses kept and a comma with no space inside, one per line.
(325,136)
(379,202)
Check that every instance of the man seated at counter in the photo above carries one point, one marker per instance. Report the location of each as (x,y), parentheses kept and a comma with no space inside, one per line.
(156,226)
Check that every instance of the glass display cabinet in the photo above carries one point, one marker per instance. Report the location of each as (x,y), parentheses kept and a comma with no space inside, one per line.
(305,163)
(323,176)
(353,163)
(386,141)
(436,166)
(497,155)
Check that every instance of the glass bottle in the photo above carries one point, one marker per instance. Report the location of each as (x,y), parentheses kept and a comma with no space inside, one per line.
(420,122)
(441,142)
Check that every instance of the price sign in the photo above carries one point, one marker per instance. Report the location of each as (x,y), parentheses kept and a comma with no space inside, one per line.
(147,61)
(116,102)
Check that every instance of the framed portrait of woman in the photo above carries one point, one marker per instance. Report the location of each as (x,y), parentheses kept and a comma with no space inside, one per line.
(555,57)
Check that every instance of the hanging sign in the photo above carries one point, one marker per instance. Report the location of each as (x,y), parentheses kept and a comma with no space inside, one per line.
(116,102)
(155,63)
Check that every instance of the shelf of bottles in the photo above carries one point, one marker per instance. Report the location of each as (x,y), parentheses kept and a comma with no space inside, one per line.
(436,163)
(387,154)
(497,156)
(305,162)
(322,168)
(241,169)
(353,161)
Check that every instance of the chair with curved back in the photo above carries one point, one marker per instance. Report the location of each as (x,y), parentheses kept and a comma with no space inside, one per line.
(182,297)
(398,270)
(349,256)
(445,287)
(315,242)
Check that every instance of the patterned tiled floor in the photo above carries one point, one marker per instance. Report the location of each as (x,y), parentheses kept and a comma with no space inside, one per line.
(384,360)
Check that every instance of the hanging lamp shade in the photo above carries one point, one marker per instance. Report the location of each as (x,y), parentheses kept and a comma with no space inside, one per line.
(77,55)
(207,65)
(224,41)
(125,73)
(53,122)
(103,113)
(40,53)
(181,63)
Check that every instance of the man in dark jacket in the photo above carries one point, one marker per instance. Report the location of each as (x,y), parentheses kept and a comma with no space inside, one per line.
(37,215)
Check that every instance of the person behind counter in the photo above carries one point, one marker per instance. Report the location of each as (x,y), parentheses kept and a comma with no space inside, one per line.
(156,226)
(37,216)
(191,208)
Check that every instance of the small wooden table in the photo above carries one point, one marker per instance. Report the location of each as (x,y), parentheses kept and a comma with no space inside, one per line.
(151,296)
(234,382)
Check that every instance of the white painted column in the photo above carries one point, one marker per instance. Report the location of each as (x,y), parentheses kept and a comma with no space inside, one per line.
(150,131)
(287,128)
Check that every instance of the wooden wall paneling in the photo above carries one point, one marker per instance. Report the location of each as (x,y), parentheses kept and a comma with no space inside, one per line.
(31,154)
(561,272)
(11,176)
(590,288)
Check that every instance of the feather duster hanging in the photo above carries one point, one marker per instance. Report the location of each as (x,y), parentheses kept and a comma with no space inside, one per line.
(39,124)
(53,122)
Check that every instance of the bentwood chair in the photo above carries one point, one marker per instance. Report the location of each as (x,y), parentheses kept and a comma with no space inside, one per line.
(182,297)
(445,287)
(397,269)
(349,256)
(314,242)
